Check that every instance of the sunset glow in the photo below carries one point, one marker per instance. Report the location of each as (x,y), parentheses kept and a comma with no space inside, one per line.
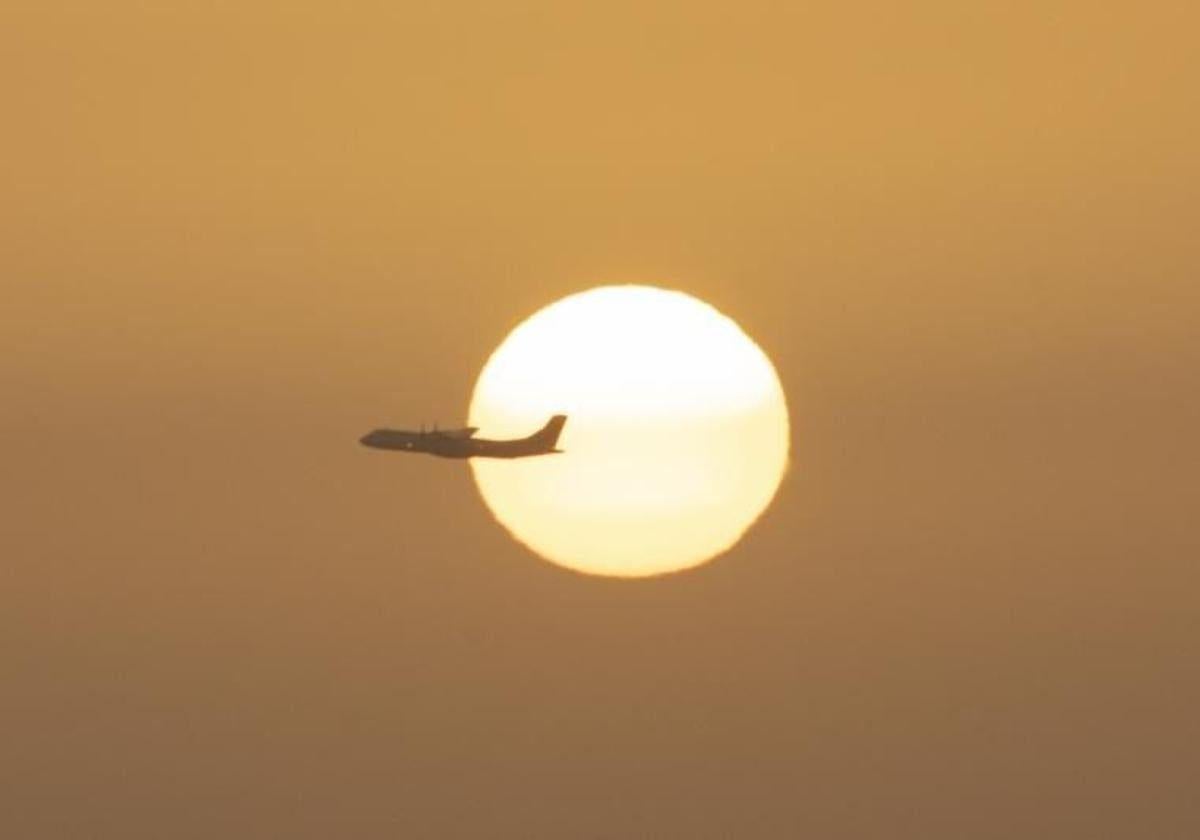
(676,441)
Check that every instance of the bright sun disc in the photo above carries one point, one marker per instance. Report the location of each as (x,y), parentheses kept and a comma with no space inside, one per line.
(676,438)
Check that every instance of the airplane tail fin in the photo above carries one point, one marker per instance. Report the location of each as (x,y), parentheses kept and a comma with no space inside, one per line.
(547,436)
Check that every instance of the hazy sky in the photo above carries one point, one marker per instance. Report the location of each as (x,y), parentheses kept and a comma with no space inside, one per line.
(236,236)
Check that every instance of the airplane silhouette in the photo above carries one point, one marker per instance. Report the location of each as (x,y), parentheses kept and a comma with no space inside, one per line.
(462,443)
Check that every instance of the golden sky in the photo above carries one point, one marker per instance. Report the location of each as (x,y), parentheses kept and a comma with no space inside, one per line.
(236,236)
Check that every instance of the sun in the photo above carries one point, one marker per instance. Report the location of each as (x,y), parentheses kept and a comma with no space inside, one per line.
(677,434)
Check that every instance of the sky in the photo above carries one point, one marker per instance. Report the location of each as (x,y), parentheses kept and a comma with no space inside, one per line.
(236,236)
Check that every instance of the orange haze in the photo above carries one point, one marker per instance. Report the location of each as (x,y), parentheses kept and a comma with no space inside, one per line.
(236,236)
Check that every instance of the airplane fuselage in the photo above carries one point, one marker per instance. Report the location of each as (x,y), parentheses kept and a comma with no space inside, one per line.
(461,443)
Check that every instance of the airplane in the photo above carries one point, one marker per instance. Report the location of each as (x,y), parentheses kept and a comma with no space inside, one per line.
(462,443)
